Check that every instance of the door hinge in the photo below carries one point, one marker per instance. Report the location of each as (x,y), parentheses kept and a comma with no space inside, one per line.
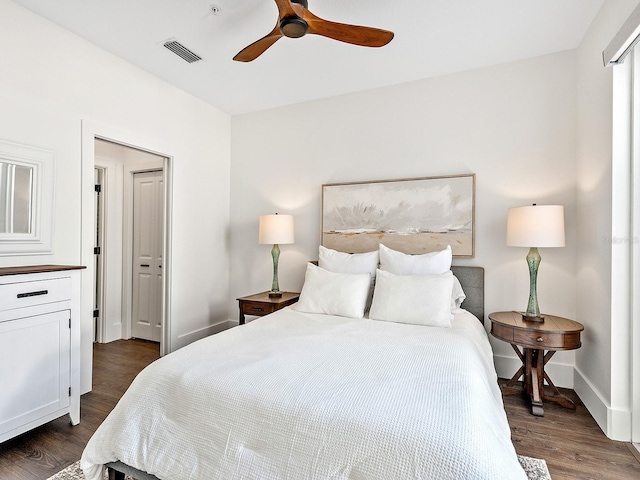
(69,391)
(96,250)
(96,313)
(98,188)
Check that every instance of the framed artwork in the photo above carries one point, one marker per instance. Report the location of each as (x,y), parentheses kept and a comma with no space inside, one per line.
(417,215)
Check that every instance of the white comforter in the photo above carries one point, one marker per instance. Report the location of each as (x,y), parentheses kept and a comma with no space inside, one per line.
(304,396)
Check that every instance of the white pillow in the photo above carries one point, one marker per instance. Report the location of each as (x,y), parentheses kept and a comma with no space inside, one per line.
(414,299)
(341,262)
(342,294)
(400,263)
(457,294)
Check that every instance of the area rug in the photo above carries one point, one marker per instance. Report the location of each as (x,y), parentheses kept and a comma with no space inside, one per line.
(535,469)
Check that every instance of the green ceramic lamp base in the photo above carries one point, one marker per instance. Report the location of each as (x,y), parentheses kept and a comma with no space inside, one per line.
(275,288)
(533,311)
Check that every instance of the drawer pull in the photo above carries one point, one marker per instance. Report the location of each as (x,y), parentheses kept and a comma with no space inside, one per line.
(144,264)
(257,309)
(539,339)
(33,294)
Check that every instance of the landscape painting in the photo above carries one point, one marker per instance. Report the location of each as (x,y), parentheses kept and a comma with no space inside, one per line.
(414,216)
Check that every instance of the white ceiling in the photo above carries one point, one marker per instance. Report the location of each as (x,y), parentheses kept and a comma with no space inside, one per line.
(432,37)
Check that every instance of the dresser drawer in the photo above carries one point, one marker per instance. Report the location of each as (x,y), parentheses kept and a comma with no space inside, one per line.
(547,340)
(258,309)
(28,294)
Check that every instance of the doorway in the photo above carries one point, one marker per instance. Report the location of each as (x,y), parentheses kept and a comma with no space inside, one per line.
(152,144)
(132,204)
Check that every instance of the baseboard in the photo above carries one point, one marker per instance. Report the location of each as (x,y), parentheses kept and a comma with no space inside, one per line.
(190,337)
(561,375)
(616,424)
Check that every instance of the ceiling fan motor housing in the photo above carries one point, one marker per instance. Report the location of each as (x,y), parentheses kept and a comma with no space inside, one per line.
(293,27)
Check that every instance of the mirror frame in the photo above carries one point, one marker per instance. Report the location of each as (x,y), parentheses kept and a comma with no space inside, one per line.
(39,241)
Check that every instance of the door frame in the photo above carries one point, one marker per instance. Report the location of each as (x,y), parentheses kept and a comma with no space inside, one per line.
(101,209)
(90,132)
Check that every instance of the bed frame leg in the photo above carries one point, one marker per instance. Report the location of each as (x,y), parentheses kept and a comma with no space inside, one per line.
(114,474)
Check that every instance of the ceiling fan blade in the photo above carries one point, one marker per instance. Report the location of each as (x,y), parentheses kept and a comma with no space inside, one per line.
(285,9)
(354,34)
(258,47)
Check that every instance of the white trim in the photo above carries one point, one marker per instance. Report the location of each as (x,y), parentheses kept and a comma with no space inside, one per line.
(634,317)
(102,335)
(624,41)
(190,337)
(615,423)
(592,399)
(39,241)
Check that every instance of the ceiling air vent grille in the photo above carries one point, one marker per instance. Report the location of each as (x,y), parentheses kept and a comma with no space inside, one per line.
(182,51)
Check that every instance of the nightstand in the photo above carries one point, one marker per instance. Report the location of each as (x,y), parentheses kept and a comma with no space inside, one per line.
(261,304)
(536,338)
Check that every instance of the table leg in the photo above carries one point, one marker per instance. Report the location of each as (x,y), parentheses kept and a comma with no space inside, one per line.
(533,362)
(528,384)
(557,397)
(537,382)
(241,321)
(511,388)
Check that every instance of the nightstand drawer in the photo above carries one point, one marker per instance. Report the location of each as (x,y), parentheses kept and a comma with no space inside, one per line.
(261,304)
(547,340)
(258,308)
(502,332)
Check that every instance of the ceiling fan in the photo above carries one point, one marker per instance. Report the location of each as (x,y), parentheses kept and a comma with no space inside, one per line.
(295,21)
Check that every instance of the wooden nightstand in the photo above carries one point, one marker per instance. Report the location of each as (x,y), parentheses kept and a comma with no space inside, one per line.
(260,304)
(555,333)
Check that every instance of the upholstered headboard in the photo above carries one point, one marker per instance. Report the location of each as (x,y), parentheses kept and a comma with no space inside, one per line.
(472,281)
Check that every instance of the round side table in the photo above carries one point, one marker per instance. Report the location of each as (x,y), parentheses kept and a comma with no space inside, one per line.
(536,338)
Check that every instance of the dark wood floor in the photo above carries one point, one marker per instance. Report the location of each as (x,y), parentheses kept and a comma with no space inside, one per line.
(571,442)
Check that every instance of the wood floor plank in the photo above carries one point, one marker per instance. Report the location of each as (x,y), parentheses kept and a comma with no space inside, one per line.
(571,442)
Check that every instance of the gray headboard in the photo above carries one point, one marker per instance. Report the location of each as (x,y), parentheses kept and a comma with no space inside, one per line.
(472,281)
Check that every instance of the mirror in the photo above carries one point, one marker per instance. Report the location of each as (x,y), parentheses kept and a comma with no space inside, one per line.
(16,194)
(26,199)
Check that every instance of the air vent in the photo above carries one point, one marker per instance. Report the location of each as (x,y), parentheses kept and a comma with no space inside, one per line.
(181,51)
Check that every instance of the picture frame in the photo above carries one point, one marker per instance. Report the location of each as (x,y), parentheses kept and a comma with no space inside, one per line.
(414,215)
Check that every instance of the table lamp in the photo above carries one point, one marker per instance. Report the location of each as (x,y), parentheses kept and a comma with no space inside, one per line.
(277,230)
(534,227)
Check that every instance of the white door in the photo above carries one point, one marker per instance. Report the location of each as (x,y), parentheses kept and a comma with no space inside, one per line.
(97,250)
(146,317)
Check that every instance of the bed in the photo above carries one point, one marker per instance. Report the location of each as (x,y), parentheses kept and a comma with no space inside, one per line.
(299,395)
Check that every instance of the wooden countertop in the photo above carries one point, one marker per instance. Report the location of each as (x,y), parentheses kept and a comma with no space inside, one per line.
(37,269)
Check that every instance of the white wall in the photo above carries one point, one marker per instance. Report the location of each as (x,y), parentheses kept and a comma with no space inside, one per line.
(51,82)
(514,125)
(602,364)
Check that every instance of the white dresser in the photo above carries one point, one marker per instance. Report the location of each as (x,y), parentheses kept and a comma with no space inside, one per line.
(39,346)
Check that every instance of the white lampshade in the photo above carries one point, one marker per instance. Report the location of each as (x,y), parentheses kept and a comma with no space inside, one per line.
(276,229)
(536,226)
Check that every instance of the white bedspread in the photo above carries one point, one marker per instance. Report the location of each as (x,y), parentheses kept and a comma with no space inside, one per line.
(303,396)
